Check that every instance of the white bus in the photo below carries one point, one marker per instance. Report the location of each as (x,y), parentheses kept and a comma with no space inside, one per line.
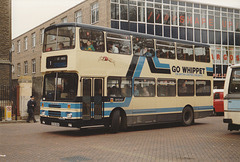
(102,76)
(232,98)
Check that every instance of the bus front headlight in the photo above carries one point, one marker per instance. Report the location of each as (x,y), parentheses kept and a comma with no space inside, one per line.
(43,113)
(69,115)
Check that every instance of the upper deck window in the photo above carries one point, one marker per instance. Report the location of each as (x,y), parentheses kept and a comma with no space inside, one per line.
(61,38)
(165,50)
(202,54)
(118,43)
(143,46)
(91,40)
(184,52)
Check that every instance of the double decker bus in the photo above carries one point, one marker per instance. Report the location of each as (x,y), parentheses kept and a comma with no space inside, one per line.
(102,76)
(232,98)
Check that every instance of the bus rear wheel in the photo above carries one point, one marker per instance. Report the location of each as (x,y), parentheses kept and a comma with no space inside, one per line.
(187,116)
(116,121)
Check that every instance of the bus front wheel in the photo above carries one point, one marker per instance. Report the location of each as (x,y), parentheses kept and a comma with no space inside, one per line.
(187,116)
(116,121)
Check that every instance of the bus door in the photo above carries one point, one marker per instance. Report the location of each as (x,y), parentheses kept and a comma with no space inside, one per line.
(92,98)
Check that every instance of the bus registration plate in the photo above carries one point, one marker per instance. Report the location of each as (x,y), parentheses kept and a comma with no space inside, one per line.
(55,124)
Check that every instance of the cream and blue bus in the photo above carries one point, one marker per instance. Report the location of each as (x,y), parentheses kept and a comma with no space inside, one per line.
(101,76)
(232,98)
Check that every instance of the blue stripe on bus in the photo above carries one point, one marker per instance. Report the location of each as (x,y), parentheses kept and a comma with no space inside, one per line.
(160,65)
(61,105)
(139,67)
(138,111)
(209,69)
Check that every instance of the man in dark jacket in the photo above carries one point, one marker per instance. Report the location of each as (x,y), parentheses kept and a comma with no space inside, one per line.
(31,106)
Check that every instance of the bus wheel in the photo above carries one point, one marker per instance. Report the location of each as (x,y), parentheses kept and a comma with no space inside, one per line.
(214,112)
(187,116)
(116,121)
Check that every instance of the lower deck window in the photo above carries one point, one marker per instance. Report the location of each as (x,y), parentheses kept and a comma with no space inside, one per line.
(185,87)
(203,87)
(144,87)
(119,87)
(166,87)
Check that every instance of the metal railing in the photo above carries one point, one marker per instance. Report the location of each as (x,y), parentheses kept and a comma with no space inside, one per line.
(8,97)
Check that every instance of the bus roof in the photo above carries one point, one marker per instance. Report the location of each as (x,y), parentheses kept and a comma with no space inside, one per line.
(118,31)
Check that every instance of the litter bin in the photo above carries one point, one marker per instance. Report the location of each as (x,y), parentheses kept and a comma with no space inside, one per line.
(8,113)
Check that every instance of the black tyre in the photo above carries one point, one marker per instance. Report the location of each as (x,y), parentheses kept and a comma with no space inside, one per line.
(214,112)
(116,121)
(187,116)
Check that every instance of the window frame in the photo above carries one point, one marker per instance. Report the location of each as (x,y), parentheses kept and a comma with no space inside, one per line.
(140,89)
(185,94)
(120,38)
(203,93)
(95,12)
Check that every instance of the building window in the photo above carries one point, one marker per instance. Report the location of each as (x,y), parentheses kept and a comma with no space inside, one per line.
(19,46)
(33,65)
(13,47)
(25,67)
(237,55)
(133,12)
(26,43)
(64,20)
(41,35)
(94,13)
(141,12)
(18,69)
(13,69)
(33,39)
(78,16)
(114,11)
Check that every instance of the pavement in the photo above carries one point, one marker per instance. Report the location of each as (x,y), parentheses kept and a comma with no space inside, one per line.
(208,140)
(37,117)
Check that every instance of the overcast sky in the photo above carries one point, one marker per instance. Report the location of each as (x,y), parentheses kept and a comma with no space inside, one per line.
(27,14)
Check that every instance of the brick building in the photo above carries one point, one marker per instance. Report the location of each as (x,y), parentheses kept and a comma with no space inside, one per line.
(5,42)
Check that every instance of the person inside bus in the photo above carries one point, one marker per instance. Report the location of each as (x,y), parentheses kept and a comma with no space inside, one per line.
(113,48)
(115,92)
(126,91)
(145,92)
(89,46)
(160,53)
(136,91)
(183,89)
(60,46)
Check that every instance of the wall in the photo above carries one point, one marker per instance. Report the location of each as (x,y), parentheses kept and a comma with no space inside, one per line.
(5,41)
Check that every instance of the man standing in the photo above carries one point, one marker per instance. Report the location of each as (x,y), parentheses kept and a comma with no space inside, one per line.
(31,106)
